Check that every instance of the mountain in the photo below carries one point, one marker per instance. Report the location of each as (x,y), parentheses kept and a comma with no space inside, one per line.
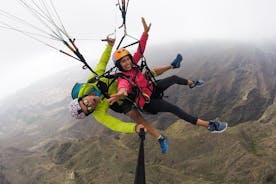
(240,82)
(39,111)
(41,143)
(243,154)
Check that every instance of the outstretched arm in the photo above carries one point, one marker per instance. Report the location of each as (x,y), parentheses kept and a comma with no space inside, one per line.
(124,87)
(122,92)
(111,122)
(101,66)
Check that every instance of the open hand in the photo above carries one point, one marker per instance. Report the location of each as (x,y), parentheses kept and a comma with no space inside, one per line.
(117,96)
(146,27)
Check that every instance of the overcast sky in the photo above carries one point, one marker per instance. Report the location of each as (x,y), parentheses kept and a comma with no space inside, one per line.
(24,60)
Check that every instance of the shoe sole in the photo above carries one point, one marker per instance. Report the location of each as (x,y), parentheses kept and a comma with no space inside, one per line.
(218,132)
(198,86)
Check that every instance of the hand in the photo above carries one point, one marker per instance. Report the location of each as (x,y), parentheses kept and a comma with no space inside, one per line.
(110,41)
(138,127)
(146,27)
(115,97)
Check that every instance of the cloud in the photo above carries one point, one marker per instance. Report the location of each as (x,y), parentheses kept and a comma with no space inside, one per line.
(171,21)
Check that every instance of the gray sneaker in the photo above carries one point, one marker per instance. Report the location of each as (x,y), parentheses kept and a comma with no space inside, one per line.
(197,83)
(217,126)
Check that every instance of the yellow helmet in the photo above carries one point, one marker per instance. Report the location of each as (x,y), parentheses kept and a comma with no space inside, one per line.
(119,54)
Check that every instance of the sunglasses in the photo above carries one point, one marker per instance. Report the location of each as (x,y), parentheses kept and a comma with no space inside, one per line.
(89,109)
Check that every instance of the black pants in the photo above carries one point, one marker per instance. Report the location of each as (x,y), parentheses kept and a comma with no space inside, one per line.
(157,104)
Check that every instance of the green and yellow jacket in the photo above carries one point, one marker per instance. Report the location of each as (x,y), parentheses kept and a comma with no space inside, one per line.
(101,111)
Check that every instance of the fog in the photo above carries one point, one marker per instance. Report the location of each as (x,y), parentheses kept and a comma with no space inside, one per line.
(24,60)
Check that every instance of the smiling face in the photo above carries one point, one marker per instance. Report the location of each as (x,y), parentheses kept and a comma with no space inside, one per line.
(126,63)
(89,103)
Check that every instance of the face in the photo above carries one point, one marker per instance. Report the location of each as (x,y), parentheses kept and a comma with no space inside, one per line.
(126,63)
(89,103)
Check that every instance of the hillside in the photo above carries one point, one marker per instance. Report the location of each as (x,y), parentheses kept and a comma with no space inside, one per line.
(46,145)
(244,154)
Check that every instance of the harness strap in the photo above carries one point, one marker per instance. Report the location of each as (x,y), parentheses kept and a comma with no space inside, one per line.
(136,91)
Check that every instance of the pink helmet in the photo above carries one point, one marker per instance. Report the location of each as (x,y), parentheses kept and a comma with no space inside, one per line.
(75,109)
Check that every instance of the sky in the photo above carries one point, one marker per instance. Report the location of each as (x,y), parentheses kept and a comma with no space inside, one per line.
(24,60)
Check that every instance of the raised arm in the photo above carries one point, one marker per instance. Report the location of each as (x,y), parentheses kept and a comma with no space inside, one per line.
(143,41)
(101,66)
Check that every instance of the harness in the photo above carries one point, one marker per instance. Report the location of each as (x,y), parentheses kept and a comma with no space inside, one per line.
(102,86)
(137,91)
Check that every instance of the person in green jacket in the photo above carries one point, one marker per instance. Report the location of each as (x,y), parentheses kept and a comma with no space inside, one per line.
(90,100)
(90,97)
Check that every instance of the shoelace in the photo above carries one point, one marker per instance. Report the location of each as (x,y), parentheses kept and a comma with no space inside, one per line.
(216,123)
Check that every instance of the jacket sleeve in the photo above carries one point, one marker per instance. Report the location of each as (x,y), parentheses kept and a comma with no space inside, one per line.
(111,122)
(123,83)
(101,66)
(141,48)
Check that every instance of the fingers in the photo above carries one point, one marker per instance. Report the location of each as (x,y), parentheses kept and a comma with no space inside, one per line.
(110,101)
(113,98)
(109,40)
(146,27)
(144,24)
(143,21)
(138,128)
(115,95)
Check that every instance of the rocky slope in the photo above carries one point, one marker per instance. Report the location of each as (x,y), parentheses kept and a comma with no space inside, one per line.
(243,154)
(40,143)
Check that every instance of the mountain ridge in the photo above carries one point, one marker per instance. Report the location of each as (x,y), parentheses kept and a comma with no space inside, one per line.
(48,146)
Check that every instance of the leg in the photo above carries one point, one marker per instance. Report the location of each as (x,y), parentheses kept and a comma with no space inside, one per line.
(160,105)
(137,117)
(134,114)
(163,141)
(160,69)
(203,123)
(127,108)
(164,84)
